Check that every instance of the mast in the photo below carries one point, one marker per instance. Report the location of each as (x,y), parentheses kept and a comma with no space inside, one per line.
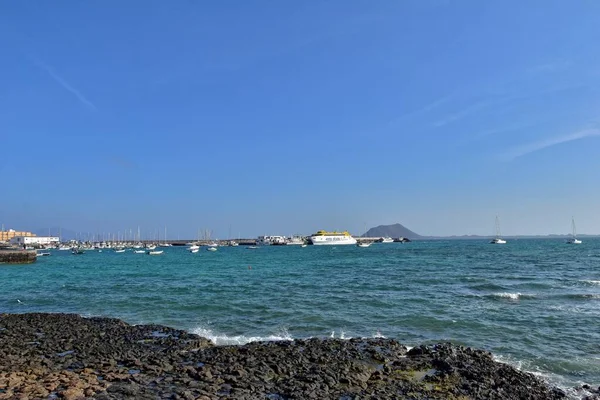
(497,228)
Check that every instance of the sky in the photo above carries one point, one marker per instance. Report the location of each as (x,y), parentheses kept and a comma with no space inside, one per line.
(270,117)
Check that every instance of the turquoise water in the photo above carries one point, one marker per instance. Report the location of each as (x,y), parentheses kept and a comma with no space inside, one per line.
(533,303)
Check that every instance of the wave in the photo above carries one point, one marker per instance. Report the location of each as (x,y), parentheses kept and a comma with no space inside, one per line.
(590,282)
(283,335)
(581,296)
(513,296)
(221,339)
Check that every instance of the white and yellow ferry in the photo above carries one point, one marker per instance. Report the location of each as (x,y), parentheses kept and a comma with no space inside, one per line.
(332,238)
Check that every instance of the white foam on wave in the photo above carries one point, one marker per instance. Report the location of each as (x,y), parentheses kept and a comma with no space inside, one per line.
(506,295)
(220,339)
(590,282)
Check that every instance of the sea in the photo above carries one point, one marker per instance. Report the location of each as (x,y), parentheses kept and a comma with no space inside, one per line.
(533,303)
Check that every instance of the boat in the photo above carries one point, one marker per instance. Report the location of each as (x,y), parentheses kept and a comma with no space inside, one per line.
(363,244)
(270,240)
(194,250)
(151,247)
(297,240)
(212,248)
(213,244)
(154,252)
(252,247)
(193,247)
(386,239)
(120,251)
(76,251)
(573,239)
(304,245)
(43,254)
(497,239)
(332,238)
(139,251)
(64,248)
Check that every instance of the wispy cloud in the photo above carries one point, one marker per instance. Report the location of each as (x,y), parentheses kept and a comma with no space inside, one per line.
(62,82)
(552,66)
(428,107)
(461,114)
(529,148)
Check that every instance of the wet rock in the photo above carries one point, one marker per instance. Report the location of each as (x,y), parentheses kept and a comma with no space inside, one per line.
(105,358)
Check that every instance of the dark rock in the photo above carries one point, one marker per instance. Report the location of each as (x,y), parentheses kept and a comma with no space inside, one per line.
(108,359)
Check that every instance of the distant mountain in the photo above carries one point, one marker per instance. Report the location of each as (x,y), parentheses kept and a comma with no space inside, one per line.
(395,231)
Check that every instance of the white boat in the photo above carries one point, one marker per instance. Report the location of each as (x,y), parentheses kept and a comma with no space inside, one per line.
(213,244)
(64,248)
(151,247)
(139,251)
(154,252)
(193,247)
(252,247)
(212,248)
(194,250)
(295,240)
(42,254)
(363,244)
(386,239)
(304,245)
(270,240)
(120,251)
(573,239)
(498,239)
(332,238)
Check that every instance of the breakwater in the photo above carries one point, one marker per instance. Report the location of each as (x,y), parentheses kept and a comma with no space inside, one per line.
(17,257)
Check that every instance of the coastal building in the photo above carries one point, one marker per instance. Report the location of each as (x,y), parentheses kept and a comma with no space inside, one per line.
(34,240)
(6,236)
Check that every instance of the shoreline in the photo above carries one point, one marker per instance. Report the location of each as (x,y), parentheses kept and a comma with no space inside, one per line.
(73,357)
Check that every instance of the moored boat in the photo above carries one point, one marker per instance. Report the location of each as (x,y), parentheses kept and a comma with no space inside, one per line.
(573,239)
(332,238)
(154,252)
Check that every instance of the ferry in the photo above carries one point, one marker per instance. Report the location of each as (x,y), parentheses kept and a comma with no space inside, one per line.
(332,238)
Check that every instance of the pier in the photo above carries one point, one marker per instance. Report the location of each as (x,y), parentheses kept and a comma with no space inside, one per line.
(17,257)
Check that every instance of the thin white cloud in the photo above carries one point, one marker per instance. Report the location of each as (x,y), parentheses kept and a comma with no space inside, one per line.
(66,85)
(461,114)
(529,148)
(422,110)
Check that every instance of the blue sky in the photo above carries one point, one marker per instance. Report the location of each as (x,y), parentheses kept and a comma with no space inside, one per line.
(288,117)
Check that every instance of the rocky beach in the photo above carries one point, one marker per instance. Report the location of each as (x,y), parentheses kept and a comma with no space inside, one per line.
(71,357)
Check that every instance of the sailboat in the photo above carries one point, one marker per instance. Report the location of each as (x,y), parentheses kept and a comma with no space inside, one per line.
(498,239)
(573,239)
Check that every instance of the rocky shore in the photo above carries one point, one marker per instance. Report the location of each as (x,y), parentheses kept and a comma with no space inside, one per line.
(66,356)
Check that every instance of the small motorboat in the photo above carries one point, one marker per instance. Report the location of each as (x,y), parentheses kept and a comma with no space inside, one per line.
(304,245)
(363,244)
(154,252)
(120,251)
(252,247)
(139,251)
(43,254)
(194,250)
(212,248)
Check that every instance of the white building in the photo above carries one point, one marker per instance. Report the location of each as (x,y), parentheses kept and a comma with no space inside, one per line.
(33,240)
